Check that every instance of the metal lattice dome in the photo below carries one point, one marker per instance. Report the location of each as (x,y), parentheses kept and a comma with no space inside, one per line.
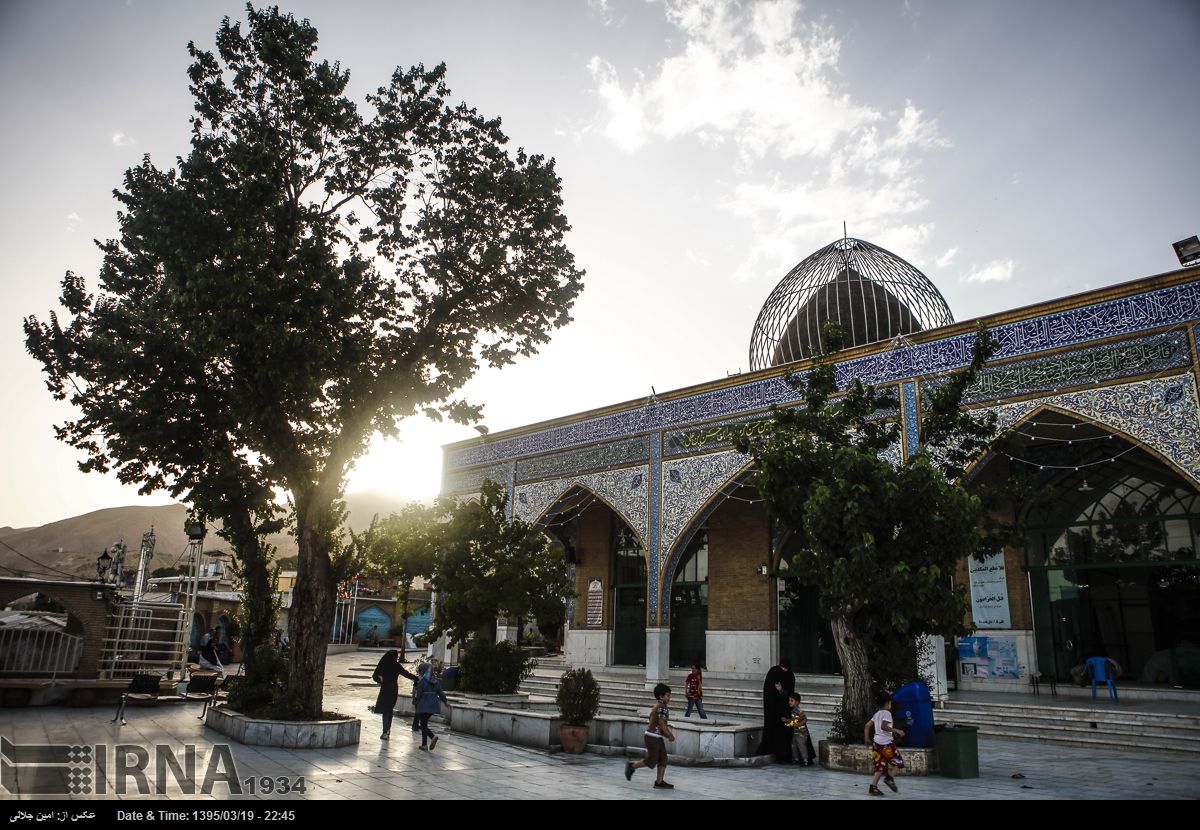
(871,293)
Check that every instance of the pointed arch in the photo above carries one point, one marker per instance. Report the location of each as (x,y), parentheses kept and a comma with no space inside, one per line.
(624,491)
(574,491)
(690,486)
(710,492)
(1160,416)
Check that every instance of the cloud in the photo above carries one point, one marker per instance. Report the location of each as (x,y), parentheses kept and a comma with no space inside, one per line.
(999,270)
(73,221)
(945,259)
(757,79)
(119,139)
(604,9)
(697,258)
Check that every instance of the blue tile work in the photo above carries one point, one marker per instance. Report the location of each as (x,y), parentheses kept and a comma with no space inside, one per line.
(617,453)
(469,481)
(624,490)
(893,454)
(1141,355)
(654,509)
(508,493)
(1161,413)
(759,394)
(1123,316)
(1126,315)
(712,436)
(688,485)
(911,427)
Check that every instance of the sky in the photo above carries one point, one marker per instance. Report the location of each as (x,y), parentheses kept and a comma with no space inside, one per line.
(1014,152)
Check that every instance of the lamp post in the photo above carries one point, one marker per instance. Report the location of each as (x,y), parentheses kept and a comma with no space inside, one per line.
(103,561)
(195,533)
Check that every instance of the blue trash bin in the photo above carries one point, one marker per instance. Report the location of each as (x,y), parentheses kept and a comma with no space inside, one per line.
(912,711)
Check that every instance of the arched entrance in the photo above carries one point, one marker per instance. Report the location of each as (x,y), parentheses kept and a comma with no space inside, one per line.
(629,597)
(1111,552)
(606,561)
(689,604)
(805,635)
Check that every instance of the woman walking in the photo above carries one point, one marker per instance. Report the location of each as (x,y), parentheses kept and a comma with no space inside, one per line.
(429,693)
(387,674)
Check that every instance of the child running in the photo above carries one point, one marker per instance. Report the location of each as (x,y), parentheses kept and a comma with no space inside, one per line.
(883,749)
(656,747)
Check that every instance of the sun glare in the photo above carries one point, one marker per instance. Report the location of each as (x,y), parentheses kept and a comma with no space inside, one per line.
(410,469)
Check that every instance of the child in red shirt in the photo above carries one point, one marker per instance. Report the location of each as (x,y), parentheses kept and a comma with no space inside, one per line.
(693,687)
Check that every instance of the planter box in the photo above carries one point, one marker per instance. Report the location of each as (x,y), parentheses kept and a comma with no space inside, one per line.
(324,734)
(857,758)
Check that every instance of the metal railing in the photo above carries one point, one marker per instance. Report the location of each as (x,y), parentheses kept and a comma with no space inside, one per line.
(146,637)
(37,651)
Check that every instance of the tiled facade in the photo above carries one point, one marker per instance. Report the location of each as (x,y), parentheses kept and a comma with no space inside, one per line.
(1123,358)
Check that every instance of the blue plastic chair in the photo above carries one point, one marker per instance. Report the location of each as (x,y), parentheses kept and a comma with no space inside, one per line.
(1101,671)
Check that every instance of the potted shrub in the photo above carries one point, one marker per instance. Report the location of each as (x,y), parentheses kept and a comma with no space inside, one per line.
(578,703)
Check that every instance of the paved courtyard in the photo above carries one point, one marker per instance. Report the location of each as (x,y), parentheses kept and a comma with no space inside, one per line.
(464,767)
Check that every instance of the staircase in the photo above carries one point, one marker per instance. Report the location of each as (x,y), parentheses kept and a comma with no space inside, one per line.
(1141,725)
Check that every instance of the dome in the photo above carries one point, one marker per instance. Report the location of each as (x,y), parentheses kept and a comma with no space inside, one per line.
(871,293)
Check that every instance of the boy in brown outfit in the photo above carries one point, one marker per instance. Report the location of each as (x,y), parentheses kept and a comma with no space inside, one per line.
(658,731)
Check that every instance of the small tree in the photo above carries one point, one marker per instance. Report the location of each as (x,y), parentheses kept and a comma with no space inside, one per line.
(401,548)
(578,697)
(490,566)
(879,542)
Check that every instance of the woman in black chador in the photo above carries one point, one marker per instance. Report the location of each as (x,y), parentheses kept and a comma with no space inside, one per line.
(776,737)
(387,675)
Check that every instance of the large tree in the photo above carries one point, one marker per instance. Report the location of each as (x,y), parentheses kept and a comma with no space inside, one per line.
(879,541)
(314,275)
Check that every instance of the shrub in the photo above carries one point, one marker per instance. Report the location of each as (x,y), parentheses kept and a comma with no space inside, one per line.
(493,668)
(271,675)
(578,696)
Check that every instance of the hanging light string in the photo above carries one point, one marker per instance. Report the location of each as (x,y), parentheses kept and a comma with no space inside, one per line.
(901,342)
(1081,466)
(1049,440)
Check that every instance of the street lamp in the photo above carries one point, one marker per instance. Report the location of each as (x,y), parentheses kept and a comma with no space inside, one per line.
(103,562)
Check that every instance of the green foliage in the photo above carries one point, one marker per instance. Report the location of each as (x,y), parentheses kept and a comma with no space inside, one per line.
(493,668)
(308,275)
(402,547)
(257,695)
(578,696)
(490,566)
(879,542)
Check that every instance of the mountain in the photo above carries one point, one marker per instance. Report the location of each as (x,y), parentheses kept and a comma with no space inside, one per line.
(69,547)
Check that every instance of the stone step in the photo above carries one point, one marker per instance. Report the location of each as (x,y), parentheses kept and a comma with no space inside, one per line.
(1062,725)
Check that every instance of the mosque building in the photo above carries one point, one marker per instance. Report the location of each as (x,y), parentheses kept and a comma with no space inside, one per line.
(676,561)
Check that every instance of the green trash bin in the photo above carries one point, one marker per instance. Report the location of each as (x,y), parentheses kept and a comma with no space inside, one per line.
(958,750)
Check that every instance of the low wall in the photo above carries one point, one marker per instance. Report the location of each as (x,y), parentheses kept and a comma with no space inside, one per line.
(698,741)
(857,758)
(289,734)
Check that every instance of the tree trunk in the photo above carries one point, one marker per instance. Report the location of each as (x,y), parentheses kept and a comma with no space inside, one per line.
(857,706)
(258,603)
(311,614)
